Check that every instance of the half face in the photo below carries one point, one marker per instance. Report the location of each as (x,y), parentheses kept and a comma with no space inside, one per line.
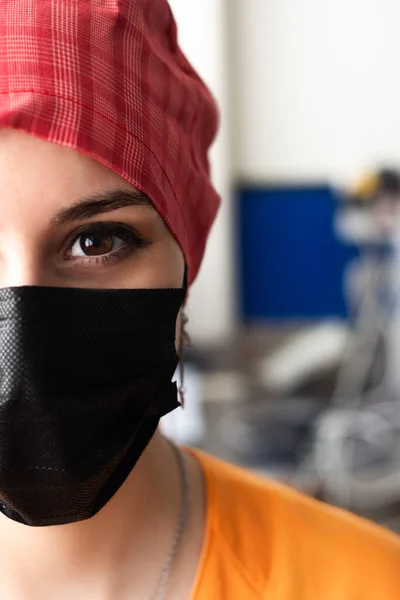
(68,221)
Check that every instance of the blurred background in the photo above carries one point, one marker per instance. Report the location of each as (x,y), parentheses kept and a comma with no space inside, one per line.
(294,368)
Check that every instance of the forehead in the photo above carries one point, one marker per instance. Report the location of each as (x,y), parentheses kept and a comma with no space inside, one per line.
(29,165)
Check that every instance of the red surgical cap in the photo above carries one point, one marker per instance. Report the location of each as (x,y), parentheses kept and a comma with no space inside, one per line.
(107,78)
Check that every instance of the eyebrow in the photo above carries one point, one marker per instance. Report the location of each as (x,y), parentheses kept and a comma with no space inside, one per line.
(101,202)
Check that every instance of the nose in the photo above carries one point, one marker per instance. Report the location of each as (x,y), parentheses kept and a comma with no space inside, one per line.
(20,276)
(20,263)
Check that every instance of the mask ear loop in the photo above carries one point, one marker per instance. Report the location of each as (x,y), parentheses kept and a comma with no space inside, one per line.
(182,389)
(184,341)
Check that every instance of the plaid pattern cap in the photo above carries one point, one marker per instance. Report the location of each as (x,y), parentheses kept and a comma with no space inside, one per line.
(107,78)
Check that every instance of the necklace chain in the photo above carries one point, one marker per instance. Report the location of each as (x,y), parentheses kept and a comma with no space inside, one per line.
(160,588)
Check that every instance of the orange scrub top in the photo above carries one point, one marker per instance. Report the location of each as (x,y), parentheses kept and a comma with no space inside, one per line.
(264,540)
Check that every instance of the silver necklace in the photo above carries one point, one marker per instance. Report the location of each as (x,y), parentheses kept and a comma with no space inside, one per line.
(160,588)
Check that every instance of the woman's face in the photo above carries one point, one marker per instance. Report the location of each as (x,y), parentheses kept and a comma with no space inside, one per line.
(65,222)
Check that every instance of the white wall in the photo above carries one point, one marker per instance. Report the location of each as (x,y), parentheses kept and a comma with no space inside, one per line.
(317,87)
(315,94)
(202,36)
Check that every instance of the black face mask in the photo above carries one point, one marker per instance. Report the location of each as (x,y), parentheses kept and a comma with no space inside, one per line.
(85,376)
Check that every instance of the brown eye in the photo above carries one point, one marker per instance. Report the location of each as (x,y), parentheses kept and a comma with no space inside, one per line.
(96,244)
(103,242)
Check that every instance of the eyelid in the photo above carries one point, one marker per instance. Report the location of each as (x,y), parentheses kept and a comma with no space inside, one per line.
(113,228)
(133,242)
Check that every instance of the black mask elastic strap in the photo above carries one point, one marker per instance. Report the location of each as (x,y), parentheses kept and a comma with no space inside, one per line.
(182,389)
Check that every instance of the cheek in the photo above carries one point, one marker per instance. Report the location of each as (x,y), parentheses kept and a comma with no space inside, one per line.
(162,265)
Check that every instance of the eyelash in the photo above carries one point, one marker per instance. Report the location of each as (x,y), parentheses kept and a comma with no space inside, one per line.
(133,241)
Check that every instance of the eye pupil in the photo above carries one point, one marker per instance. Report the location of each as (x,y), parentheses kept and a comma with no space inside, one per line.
(96,244)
